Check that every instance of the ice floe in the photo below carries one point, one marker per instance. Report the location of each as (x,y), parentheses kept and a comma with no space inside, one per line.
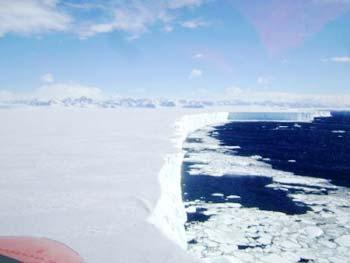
(234,233)
(339,131)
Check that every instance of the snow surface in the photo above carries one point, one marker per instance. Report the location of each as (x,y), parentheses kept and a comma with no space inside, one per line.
(104,181)
(88,178)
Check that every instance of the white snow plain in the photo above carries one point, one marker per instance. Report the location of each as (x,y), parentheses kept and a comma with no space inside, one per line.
(320,235)
(91,178)
(106,182)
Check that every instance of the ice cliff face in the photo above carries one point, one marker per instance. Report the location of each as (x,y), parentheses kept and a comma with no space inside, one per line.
(307,116)
(169,214)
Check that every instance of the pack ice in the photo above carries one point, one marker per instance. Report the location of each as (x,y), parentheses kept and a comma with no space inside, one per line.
(239,234)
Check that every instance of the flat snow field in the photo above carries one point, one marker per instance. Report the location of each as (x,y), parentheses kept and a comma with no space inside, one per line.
(88,178)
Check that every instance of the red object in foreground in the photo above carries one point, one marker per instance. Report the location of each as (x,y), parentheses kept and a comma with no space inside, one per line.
(37,250)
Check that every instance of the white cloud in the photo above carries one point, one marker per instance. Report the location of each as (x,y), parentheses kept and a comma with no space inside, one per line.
(174,4)
(47,78)
(198,56)
(133,17)
(85,6)
(266,97)
(264,80)
(234,91)
(66,90)
(54,91)
(168,28)
(134,20)
(344,59)
(136,17)
(193,24)
(31,16)
(195,73)
(6,95)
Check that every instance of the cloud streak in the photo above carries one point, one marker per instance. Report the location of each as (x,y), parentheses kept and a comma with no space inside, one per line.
(32,16)
(195,73)
(344,59)
(51,90)
(193,24)
(59,91)
(174,4)
(47,78)
(251,96)
(131,17)
(136,17)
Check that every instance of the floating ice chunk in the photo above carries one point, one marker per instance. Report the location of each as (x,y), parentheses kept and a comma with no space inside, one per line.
(278,187)
(339,260)
(297,125)
(256,157)
(338,131)
(210,212)
(274,258)
(304,181)
(288,244)
(226,237)
(313,231)
(233,147)
(233,197)
(292,161)
(218,194)
(281,127)
(223,260)
(191,209)
(343,241)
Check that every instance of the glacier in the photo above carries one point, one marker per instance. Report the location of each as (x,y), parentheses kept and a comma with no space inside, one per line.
(106,181)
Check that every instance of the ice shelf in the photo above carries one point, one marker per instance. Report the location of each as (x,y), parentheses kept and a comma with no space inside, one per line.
(299,116)
(93,178)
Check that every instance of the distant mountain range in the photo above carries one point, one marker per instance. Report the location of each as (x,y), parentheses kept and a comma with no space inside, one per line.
(85,102)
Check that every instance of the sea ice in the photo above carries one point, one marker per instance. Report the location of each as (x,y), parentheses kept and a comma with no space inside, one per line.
(218,194)
(233,197)
(339,131)
(322,234)
(343,241)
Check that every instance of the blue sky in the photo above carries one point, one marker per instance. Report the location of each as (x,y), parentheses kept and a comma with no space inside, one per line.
(181,48)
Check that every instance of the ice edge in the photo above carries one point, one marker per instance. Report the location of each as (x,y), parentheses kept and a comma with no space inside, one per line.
(169,214)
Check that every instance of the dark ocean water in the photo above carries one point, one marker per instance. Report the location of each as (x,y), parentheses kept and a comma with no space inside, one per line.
(318,149)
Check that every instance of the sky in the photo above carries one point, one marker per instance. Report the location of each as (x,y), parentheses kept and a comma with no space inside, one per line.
(175,48)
